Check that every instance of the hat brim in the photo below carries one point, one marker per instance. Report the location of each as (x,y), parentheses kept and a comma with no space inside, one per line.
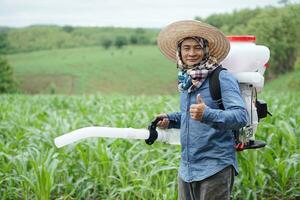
(169,37)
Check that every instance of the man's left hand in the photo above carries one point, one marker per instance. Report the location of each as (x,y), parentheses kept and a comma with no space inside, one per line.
(197,110)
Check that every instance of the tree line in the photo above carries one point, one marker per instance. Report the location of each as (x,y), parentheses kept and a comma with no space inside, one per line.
(36,38)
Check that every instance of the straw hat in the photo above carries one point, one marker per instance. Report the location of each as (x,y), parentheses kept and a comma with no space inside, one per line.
(169,36)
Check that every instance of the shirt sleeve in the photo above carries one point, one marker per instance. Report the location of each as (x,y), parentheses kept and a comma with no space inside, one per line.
(235,114)
(174,119)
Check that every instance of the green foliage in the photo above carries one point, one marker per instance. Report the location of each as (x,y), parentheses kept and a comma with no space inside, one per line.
(278,29)
(297,64)
(120,41)
(106,43)
(7,81)
(54,37)
(67,29)
(31,167)
(133,39)
(140,31)
(273,172)
(3,42)
(228,22)
(140,37)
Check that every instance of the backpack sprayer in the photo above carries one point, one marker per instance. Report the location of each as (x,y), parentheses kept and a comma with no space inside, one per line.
(246,61)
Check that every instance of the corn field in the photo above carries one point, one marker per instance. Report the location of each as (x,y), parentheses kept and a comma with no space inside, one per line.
(31,167)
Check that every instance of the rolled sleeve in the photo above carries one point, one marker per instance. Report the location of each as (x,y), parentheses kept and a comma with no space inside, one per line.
(174,119)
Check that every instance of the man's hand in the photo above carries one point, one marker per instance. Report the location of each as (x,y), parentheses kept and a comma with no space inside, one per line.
(197,110)
(163,124)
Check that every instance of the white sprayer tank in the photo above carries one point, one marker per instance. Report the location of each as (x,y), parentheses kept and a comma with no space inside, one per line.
(247,62)
(245,55)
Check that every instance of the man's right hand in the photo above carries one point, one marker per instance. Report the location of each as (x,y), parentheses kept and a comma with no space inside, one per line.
(163,124)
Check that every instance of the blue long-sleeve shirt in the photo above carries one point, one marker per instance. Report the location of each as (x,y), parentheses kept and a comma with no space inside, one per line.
(208,146)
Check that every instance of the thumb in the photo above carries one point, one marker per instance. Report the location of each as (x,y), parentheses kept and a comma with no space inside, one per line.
(199,99)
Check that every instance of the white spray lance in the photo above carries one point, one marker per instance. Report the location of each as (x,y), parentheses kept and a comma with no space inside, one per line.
(246,61)
(170,136)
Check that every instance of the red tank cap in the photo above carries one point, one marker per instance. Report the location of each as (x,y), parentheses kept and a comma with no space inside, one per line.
(241,38)
(267,65)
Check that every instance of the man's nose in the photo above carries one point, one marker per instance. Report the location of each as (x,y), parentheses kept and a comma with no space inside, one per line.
(192,52)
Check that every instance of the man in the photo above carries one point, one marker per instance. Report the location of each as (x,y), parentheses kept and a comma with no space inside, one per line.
(208,157)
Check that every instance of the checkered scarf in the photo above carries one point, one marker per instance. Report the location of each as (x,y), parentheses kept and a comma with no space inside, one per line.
(191,77)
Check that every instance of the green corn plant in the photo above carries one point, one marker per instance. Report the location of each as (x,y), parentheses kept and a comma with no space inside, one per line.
(31,167)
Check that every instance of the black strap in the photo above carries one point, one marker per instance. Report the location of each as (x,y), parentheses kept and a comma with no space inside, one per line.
(214,86)
(215,92)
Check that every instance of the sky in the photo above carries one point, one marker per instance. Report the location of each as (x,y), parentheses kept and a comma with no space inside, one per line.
(118,13)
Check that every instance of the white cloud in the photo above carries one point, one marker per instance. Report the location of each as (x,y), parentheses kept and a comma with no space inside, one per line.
(132,13)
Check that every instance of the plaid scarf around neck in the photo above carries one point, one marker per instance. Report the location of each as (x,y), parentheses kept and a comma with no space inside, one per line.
(191,77)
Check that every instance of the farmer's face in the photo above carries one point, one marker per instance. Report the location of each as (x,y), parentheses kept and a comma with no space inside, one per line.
(191,52)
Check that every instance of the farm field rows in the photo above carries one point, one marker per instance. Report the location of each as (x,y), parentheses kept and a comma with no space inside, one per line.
(31,167)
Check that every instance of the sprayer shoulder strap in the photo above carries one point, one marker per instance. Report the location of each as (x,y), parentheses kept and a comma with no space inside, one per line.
(214,87)
(215,92)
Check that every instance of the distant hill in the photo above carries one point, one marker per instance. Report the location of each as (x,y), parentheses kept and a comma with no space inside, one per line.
(4,28)
(39,37)
(134,70)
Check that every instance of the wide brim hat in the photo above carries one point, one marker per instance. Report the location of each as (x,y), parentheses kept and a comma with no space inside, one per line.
(169,37)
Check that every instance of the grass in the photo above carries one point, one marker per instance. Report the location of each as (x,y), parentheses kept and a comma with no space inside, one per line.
(132,70)
(286,82)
